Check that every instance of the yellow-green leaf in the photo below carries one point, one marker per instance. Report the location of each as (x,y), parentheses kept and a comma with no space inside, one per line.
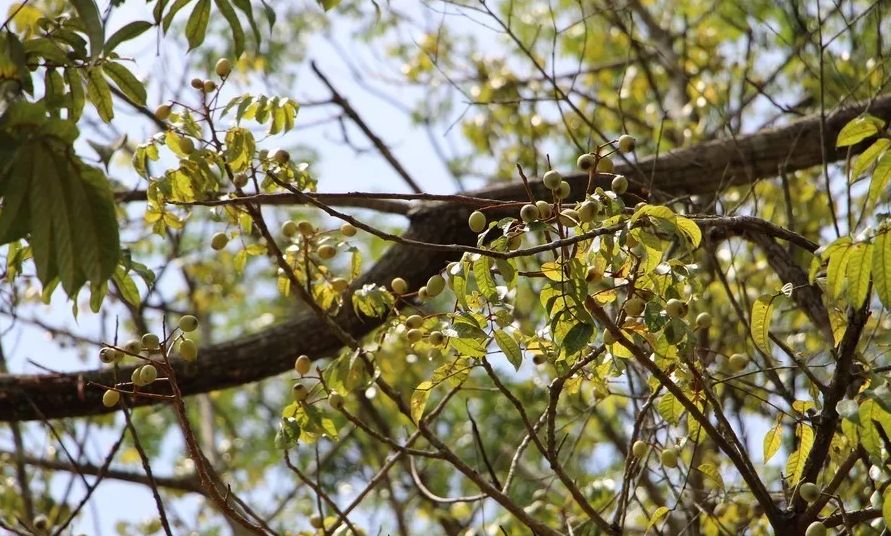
(126,82)
(858,272)
(836,271)
(886,507)
(196,26)
(99,93)
(880,177)
(690,229)
(761,312)
(657,515)
(858,129)
(772,441)
(711,473)
(419,400)
(868,157)
(881,267)
(509,346)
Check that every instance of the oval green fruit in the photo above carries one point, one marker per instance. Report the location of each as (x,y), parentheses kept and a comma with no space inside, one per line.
(639,449)
(414,335)
(675,308)
(817,528)
(281,156)
(809,491)
(289,228)
(619,184)
(150,341)
(327,252)
(634,306)
(188,349)
(111,398)
(188,323)
(299,392)
(738,362)
(529,213)
(108,355)
(339,284)
(302,364)
(218,241)
(569,218)
(335,400)
(669,458)
(703,321)
(435,285)
(148,374)
(399,285)
(587,211)
(586,162)
(563,190)
(627,143)
(544,209)
(186,145)
(552,179)
(348,229)
(223,67)
(162,112)
(605,165)
(477,221)
(414,321)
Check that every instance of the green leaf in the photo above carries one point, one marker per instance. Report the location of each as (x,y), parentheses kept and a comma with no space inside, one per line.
(712,474)
(689,228)
(858,129)
(837,270)
(509,346)
(657,516)
(248,10)
(171,13)
(880,177)
(576,338)
(99,93)
(88,13)
(126,82)
(196,27)
(761,313)
(881,267)
(773,441)
(419,399)
(670,408)
(484,280)
(858,273)
(328,4)
(125,33)
(288,434)
(76,93)
(127,288)
(868,157)
(234,24)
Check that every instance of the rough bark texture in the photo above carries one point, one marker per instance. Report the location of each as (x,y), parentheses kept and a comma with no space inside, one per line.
(702,169)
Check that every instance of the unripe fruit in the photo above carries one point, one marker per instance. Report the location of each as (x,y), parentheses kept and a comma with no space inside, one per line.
(627,143)
(809,491)
(41,522)
(608,337)
(477,221)
(563,190)
(422,294)
(569,218)
(162,112)
(240,180)
(281,156)
(148,374)
(135,377)
(327,252)
(619,184)
(605,165)
(585,162)
(552,179)
(197,83)
(399,285)
(339,284)
(529,213)
(109,355)
(209,86)
(289,228)
(132,347)
(186,145)
(150,341)
(335,400)
(305,227)
(188,349)
(435,285)
(587,210)
(299,392)
(188,323)
(515,241)
(219,241)
(703,321)
(316,522)
(539,359)
(669,458)
(436,338)
(111,398)
(817,528)
(639,449)
(223,67)
(738,362)
(675,308)
(348,229)
(302,364)
(634,306)
(592,275)
(414,335)
(544,209)
(414,321)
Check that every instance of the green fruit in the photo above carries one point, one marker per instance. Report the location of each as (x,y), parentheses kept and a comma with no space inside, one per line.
(197,83)
(108,355)
(809,491)
(477,221)
(223,67)
(422,294)
(703,321)
(348,229)
(587,211)
(188,323)
(414,335)
(569,218)
(817,528)
(339,284)
(639,449)
(218,241)
(529,213)
(132,347)
(299,392)
(619,184)
(302,364)
(627,143)
(544,209)
(316,521)
(148,374)
(209,86)
(563,190)
(669,458)
(738,362)
(240,180)
(111,398)
(634,306)
(150,341)
(41,522)
(605,165)
(188,349)
(593,275)
(436,338)
(675,308)
(135,377)
(586,162)
(435,285)
(552,179)
(305,228)
(608,337)
(163,112)
(539,359)
(414,321)
(289,228)
(327,252)
(281,156)
(335,400)
(186,145)
(399,285)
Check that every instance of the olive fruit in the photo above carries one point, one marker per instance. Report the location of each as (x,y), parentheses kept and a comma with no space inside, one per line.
(209,86)
(110,398)
(399,285)
(627,143)
(669,458)
(339,284)
(109,355)
(639,449)
(299,392)
(197,83)
(188,323)
(289,228)
(619,184)
(327,251)
(552,179)
(281,156)
(135,378)
(188,349)
(150,341)
(348,229)
(587,210)
(605,165)
(223,67)
(147,374)
(544,209)
(132,347)
(817,528)
(162,112)
(569,218)
(240,180)
(593,275)
(675,308)
(529,213)
(414,321)
(218,241)
(302,364)
(305,227)
(414,335)
(436,338)
(186,145)
(634,306)
(316,521)
(477,221)
(809,491)
(335,400)
(738,362)
(703,321)
(563,190)
(586,162)
(422,294)
(41,522)
(435,285)
(608,337)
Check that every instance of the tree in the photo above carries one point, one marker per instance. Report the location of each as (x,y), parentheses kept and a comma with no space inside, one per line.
(653,302)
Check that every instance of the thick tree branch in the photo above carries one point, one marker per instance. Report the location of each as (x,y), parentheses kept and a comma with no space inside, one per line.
(702,169)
